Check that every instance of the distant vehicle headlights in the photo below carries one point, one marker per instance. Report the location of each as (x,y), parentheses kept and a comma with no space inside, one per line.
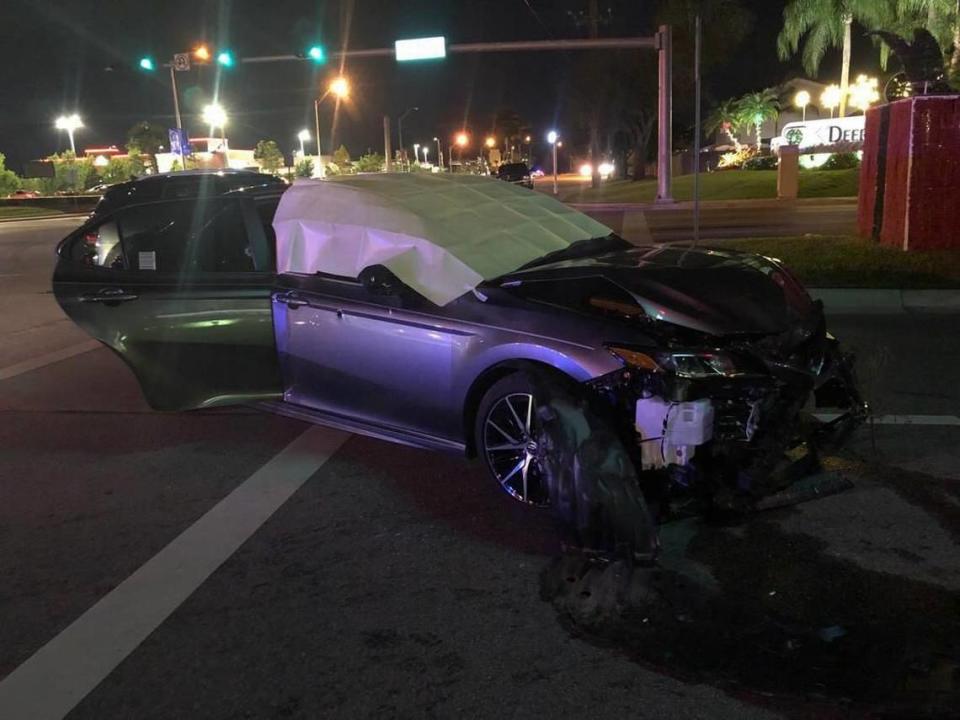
(605,168)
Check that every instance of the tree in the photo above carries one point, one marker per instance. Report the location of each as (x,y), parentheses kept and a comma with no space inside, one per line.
(145,138)
(758,107)
(727,119)
(269,155)
(341,158)
(827,24)
(371,162)
(941,18)
(9,182)
(121,169)
(304,168)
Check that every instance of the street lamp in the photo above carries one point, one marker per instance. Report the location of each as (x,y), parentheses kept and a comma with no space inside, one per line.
(425,151)
(831,98)
(554,140)
(303,136)
(403,150)
(70,123)
(864,92)
(339,87)
(461,140)
(801,100)
(490,142)
(439,152)
(416,153)
(216,117)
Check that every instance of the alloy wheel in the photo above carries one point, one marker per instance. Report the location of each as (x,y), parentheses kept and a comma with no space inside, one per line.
(510,445)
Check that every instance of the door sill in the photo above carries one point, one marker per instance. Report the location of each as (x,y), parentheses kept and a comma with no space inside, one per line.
(380,432)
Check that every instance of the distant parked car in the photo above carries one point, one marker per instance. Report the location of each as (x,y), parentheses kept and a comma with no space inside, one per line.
(516,173)
(23,194)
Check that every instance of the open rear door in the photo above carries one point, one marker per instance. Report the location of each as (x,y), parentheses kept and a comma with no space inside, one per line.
(181,291)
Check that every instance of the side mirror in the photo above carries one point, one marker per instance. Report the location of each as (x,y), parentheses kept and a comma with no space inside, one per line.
(378,280)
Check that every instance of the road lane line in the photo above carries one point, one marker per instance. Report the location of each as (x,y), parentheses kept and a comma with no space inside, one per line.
(47,359)
(928,420)
(60,674)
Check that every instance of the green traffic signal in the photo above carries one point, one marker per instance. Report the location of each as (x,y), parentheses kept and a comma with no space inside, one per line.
(317,54)
(225,58)
(146,63)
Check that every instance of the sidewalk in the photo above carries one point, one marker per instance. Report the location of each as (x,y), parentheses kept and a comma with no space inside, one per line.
(885,301)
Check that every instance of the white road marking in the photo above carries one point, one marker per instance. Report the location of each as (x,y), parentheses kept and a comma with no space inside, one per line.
(61,673)
(47,359)
(930,420)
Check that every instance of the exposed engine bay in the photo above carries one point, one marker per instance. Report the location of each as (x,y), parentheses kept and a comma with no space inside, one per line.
(720,422)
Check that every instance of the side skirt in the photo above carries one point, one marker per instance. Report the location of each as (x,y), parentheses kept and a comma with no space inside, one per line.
(380,432)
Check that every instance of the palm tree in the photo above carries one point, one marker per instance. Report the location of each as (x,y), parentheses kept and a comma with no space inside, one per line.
(826,24)
(725,118)
(940,17)
(758,107)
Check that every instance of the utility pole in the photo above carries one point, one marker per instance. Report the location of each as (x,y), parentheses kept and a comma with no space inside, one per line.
(665,114)
(388,154)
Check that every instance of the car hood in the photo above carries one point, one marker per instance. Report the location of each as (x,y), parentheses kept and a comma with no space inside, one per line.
(714,291)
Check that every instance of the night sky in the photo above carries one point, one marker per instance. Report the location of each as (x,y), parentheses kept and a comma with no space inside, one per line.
(54,56)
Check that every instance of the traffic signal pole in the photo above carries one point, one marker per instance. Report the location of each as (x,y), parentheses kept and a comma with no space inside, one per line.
(661,42)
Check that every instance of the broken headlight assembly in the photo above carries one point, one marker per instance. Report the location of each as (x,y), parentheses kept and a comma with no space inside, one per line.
(685,364)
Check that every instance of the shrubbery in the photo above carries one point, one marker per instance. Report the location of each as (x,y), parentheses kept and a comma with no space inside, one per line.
(841,161)
(760,162)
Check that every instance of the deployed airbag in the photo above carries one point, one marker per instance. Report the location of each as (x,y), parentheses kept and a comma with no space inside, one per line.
(442,235)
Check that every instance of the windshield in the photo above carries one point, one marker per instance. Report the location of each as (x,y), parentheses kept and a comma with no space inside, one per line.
(581,249)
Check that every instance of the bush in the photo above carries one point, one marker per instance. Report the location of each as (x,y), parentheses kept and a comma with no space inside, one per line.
(841,161)
(304,168)
(372,162)
(735,160)
(761,162)
(9,182)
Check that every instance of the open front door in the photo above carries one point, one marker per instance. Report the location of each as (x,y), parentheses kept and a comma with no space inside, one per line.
(181,291)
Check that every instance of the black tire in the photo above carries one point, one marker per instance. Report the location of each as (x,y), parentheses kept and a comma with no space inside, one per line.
(500,462)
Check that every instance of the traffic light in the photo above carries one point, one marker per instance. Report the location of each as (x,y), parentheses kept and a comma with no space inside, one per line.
(146,63)
(317,54)
(225,58)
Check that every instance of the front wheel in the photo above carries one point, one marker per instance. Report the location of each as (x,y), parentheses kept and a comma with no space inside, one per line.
(506,431)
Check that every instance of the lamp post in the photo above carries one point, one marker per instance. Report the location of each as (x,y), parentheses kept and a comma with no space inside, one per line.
(527,139)
(403,150)
(216,117)
(831,97)
(425,151)
(303,136)
(70,123)
(416,153)
(439,152)
(461,140)
(553,139)
(801,100)
(339,87)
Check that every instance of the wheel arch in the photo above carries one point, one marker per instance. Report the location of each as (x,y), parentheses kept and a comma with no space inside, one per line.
(486,379)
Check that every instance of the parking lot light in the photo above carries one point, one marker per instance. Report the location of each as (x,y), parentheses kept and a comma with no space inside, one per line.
(70,123)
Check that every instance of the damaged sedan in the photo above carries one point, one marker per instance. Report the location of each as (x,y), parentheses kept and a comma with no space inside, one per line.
(463,314)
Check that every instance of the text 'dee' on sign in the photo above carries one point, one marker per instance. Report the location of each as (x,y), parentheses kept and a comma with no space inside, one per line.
(428,48)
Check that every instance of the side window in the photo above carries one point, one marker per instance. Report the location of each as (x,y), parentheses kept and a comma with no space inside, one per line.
(186,236)
(97,246)
(266,209)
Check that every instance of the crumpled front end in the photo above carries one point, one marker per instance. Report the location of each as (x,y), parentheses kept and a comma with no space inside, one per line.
(727,420)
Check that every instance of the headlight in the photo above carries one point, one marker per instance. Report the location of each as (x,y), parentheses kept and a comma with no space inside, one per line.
(699,364)
(683,364)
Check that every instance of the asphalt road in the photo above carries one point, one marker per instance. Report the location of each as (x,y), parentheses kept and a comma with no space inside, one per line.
(145,573)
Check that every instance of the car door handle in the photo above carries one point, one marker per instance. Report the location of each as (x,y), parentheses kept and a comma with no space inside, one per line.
(291,300)
(108,296)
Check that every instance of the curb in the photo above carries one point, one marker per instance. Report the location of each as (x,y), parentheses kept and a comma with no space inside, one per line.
(59,216)
(687,205)
(886,301)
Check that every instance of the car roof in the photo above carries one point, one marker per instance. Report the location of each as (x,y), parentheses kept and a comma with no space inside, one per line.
(186,184)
